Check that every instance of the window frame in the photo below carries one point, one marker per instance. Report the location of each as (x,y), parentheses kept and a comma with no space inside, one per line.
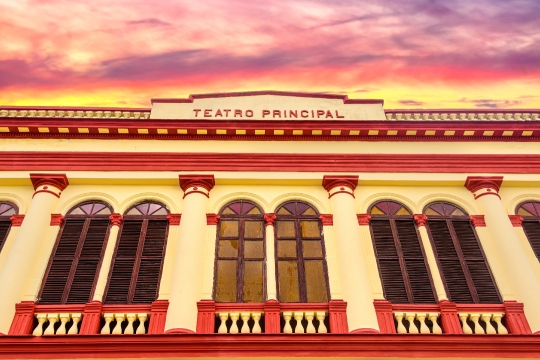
(7,219)
(529,219)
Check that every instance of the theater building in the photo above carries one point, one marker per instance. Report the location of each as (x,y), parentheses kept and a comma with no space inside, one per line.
(269,224)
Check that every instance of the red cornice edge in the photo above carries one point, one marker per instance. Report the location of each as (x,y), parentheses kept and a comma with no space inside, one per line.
(16,220)
(327,219)
(363,219)
(516,220)
(73,108)
(205,181)
(174,219)
(57,219)
(331,181)
(212,219)
(59,181)
(475,183)
(478,220)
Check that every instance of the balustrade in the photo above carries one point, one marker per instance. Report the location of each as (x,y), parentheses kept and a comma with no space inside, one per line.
(482,323)
(122,323)
(239,322)
(47,324)
(417,323)
(300,322)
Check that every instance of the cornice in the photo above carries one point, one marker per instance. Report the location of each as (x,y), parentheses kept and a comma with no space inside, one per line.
(190,181)
(59,181)
(476,183)
(331,181)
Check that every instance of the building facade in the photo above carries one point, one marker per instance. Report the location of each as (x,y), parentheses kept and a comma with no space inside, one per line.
(269,224)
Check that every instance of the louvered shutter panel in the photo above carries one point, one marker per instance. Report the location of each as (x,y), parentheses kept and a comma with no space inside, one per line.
(419,280)
(389,266)
(532,230)
(146,289)
(5,225)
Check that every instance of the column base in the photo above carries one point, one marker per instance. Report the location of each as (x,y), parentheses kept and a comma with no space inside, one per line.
(365,331)
(179,331)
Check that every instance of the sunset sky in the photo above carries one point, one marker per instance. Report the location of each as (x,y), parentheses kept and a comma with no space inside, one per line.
(411,53)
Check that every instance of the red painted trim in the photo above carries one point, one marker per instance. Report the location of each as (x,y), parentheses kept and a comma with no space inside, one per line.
(91,320)
(269,162)
(420,219)
(116,219)
(212,219)
(51,308)
(475,183)
(363,219)
(486,193)
(158,315)
(136,308)
(23,321)
(59,181)
(174,219)
(385,316)
(269,219)
(365,331)
(478,220)
(272,317)
(515,318)
(57,219)
(449,318)
(516,220)
(341,192)
(73,108)
(327,219)
(46,191)
(206,317)
(16,220)
(196,191)
(338,317)
(331,181)
(205,181)
(179,331)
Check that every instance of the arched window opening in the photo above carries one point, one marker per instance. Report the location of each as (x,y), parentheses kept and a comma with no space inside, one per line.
(6,211)
(74,266)
(138,257)
(400,255)
(530,211)
(240,254)
(462,262)
(300,255)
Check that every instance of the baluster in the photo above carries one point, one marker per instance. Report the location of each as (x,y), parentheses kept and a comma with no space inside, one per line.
(287,329)
(466,328)
(322,327)
(310,328)
(489,328)
(400,327)
(53,318)
(477,327)
(500,327)
(223,326)
(234,326)
(423,327)
(41,318)
(142,319)
(412,326)
(298,316)
(106,330)
(74,329)
(245,327)
(436,328)
(257,326)
(118,328)
(64,318)
(129,328)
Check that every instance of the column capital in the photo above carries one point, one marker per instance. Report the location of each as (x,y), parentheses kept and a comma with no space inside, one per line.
(116,219)
(174,219)
(197,184)
(363,219)
(420,219)
(516,220)
(478,220)
(336,184)
(327,219)
(16,220)
(43,183)
(212,219)
(484,185)
(57,219)
(269,219)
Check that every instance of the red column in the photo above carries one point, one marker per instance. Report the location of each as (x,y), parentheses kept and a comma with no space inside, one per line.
(515,318)
(91,318)
(23,319)
(385,316)
(338,317)
(206,318)
(158,314)
(449,318)
(272,317)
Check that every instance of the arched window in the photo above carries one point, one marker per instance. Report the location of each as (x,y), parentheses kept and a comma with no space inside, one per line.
(531,223)
(138,257)
(240,254)
(6,211)
(400,255)
(300,254)
(463,266)
(74,266)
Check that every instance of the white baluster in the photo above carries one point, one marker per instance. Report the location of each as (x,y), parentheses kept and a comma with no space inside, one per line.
(477,327)
(64,319)
(74,329)
(142,319)
(245,327)
(500,327)
(489,328)
(287,329)
(41,318)
(423,327)
(223,326)
(322,327)
(119,319)
(298,316)
(53,318)
(412,326)
(257,326)
(106,330)
(129,328)
(466,328)
(436,328)
(310,328)
(400,327)
(234,326)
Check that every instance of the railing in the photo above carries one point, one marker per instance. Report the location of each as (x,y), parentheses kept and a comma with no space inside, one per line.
(519,115)
(303,322)
(121,323)
(415,323)
(46,324)
(52,112)
(487,323)
(239,322)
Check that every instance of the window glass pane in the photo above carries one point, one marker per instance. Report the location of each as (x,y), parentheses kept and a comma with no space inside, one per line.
(430,211)
(143,208)
(524,212)
(9,212)
(87,208)
(285,229)
(309,211)
(315,281)
(228,211)
(310,229)
(284,211)
(457,212)
(226,281)
(134,211)
(288,281)
(4,208)
(253,229)
(104,211)
(403,211)
(77,211)
(228,228)
(312,248)
(254,211)
(253,249)
(228,248)
(253,281)
(286,249)
(376,211)
(97,207)
(161,211)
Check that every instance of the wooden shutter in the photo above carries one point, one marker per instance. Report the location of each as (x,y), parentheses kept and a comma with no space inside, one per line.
(5,225)
(532,230)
